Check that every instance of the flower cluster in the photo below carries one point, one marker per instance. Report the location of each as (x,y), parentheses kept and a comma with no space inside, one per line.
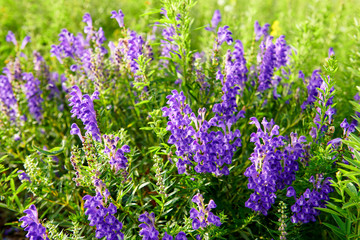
(32,225)
(274,164)
(7,97)
(261,31)
(83,109)
(208,151)
(214,21)
(23,176)
(347,128)
(304,207)
(10,37)
(167,45)
(203,216)
(116,155)
(102,217)
(88,60)
(33,95)
(315,82)
(322,119)
(149,232)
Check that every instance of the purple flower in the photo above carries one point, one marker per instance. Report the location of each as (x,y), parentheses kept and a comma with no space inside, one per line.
(117,156)
(274,164)
(33,95)
(335,142)
(32,225)
(314,83)
(261,31)
(331,52)
(119,16)
(23,176)
(304,207)
(167,237)
(181,236)
(224,35)
(8,99)
(25,42)
(83,108)
(291,192)
(206,151)
(107,225)
(148,230)
(281,52)
(203,215)
(267,66)
(10,37)
(214,21)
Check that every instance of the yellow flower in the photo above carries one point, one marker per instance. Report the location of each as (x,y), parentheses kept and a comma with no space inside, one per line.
(275,29)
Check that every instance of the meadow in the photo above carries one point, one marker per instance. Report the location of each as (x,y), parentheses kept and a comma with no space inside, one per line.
(179,119)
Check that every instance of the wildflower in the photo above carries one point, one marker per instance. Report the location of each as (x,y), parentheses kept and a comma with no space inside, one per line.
(32,225)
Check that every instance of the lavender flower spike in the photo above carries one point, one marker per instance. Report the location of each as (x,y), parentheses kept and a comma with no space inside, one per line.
(10,37)
(26,40)
(148,230)
(75,130)
(31,224)
(214,21)
(119,16)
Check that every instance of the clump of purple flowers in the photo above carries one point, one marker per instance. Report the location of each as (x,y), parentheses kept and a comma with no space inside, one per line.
(325,101)
(206,151)
(148,230)
(116,155)
(315,82)
(33,95)
(274,164)
(102,217)
(304,207)
(83,109)
(31,224)
(23,176)
(7,97)
(214,21)
(203,216)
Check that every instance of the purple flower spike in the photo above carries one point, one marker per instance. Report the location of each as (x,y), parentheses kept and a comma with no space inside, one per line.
(33,95)
(83,108)
(119,16)
(32,226)
(107,225)
(203,217)
(23,176)
(10,37)
(26,40)
(275,164)
(304,207)
(8,98)
(331,52)
(87,19)
(214,21)
(148,230)
(75,130)
(261,31)
(224,35)
(291,192)
(181,236)
(167,237)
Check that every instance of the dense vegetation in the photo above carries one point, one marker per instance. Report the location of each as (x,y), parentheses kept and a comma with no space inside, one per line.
(179,119)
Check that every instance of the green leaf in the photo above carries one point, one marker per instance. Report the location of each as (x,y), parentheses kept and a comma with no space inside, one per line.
(157,200)
(52,152)
(336,230)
